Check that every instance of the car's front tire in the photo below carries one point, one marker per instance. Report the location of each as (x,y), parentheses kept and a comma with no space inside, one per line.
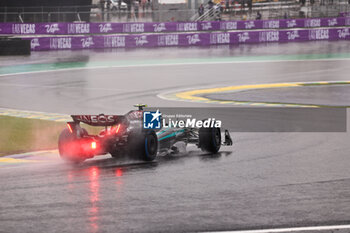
(210,139)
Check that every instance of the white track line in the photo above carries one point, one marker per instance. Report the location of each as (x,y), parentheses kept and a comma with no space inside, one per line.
(292,229)
(175,64)
(31,153)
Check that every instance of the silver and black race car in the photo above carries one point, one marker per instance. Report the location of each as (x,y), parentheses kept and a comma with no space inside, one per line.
(126,135)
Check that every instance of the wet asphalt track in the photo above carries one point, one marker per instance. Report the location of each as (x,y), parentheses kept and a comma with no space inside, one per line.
(265,180)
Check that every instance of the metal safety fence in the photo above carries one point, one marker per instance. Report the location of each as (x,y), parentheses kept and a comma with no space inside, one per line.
(232,11)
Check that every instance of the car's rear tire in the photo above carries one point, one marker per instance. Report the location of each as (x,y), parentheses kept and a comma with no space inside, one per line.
(143,146)
(151,146)
(210,139)
(67,148)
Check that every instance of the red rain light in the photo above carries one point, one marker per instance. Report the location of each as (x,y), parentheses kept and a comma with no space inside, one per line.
(93,145)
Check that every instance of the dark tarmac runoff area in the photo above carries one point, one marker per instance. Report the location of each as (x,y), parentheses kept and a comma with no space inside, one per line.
(265,180)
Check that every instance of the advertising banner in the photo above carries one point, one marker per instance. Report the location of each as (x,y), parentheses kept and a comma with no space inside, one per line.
(186,39)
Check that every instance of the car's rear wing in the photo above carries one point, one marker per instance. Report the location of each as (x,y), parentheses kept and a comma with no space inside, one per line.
(99,120)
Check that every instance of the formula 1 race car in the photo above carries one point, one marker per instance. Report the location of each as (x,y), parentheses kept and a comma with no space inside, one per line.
(125,135)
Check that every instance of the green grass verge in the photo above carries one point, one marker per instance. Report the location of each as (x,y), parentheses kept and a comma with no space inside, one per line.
(20,135)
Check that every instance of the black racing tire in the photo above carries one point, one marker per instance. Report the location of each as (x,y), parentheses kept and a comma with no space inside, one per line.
(143,146)
(66,149)
(210,139)
(151,146)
